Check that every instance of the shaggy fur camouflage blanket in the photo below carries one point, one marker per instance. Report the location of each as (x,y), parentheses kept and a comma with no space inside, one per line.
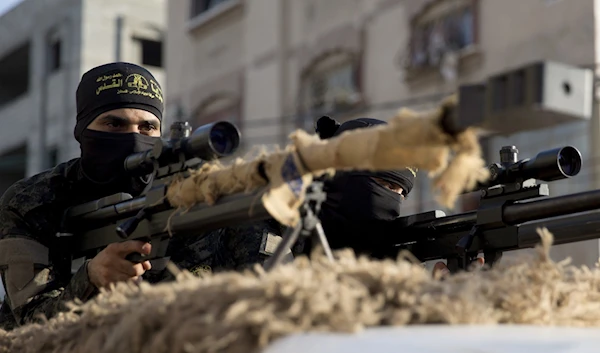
(244,312)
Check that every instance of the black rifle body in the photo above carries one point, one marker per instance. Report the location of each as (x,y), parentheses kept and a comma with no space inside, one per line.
(430,236)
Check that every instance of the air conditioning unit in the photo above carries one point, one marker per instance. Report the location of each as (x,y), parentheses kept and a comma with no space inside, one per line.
(536,96)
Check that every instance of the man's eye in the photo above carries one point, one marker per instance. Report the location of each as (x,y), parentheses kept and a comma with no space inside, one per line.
(148,127)
(114,124)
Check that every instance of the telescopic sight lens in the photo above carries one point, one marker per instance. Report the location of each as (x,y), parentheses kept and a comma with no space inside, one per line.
(224,138)
(569,161)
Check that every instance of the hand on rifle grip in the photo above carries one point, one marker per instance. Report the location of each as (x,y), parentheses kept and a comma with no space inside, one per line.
(111,265)
(441,270)
(136,258)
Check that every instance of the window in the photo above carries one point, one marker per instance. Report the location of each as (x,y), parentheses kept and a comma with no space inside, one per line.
(332,89)
(15,74)
(151,52)
(55,56)
(447,26)
(331,85)
(201,6)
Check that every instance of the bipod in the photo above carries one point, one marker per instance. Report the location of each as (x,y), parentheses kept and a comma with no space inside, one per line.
(309,225)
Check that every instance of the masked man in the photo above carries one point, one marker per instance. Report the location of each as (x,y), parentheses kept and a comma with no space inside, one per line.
(356,199)
(119,112)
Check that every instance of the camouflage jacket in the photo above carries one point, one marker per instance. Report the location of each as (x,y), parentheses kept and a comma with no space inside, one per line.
(30,215)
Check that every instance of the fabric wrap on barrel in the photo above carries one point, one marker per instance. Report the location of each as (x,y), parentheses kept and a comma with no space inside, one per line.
(410,140)
(287,189)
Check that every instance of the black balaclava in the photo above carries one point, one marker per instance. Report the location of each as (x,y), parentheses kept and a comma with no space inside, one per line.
(354,199)
(104,88)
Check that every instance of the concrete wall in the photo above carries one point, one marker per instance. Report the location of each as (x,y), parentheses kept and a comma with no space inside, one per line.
(33,21)
(265,78)
(205,57)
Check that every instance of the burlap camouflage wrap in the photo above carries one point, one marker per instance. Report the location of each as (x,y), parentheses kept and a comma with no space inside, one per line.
(33,208)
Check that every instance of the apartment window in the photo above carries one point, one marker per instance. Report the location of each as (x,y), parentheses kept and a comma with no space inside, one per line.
(331,85)
(446,26)
(55,53)
(15,74)
(151,52)
(199,7)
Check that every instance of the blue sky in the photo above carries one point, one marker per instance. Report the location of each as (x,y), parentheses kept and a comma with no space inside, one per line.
(6,5)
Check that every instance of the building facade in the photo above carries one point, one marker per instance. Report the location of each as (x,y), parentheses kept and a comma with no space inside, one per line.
(272,66)
(45,47)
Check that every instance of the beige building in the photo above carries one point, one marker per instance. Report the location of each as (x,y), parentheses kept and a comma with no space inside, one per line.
(45,47)
(274,65)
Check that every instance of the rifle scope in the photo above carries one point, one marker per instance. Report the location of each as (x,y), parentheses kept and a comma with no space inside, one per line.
(208,142)
(555,164)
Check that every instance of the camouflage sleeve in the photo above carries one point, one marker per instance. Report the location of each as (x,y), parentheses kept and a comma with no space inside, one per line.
(51,303)
(251,244)
(27,273)
(233,248)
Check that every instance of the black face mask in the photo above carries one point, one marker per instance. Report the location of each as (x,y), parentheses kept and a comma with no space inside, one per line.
(355,203)
(360,198)
(103,155)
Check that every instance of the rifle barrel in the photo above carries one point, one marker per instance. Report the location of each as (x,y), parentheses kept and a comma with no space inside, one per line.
(565,229)
(518,213)
(551,207)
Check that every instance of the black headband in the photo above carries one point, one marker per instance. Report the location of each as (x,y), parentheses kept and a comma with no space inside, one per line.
(114,86)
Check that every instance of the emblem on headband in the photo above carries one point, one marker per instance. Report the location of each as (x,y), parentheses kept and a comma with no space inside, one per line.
(137,81)
(413,171)
(133,84)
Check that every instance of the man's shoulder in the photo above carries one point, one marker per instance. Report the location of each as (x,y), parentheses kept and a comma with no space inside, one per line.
(39,189)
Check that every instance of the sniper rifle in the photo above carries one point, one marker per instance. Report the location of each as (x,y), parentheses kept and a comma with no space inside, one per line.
(507,217)
(88,228)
